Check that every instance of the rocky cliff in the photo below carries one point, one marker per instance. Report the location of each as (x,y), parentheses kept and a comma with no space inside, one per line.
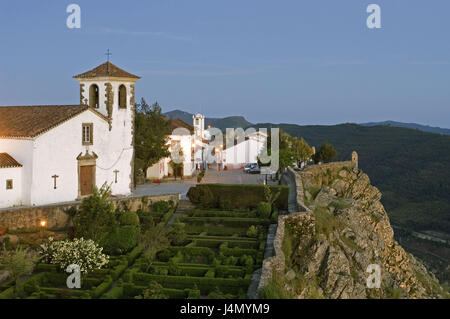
(329,249)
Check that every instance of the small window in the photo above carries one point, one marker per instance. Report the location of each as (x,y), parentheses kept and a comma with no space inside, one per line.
(9,184)
(88,134)
(122,97)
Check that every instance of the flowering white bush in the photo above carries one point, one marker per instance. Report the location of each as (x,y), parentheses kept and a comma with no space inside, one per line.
(84,253)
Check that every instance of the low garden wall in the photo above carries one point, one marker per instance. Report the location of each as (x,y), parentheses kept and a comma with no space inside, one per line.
(57,217)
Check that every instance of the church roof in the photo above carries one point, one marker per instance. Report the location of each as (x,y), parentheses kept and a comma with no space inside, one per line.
(176,123)
(7,161)
(106,69)
(30,121)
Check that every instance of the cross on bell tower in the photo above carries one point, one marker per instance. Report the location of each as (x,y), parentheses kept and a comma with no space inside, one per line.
(108,54)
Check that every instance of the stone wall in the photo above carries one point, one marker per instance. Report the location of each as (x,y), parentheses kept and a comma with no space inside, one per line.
(56,215)
(278,261)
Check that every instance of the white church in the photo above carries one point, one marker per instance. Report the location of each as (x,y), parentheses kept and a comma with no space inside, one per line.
(59,153)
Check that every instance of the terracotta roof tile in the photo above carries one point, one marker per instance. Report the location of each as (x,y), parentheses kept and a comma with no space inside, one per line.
(106,69)
(6,161)
(30,121)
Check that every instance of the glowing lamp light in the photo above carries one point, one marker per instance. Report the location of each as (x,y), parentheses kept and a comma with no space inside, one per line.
(43,223)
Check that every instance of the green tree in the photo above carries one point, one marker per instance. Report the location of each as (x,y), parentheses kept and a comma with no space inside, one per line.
(302,151)
(18,262)
(326,153)
(153,240)
(151,133)
(95,218)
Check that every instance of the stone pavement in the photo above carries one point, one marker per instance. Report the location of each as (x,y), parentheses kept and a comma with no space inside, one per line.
(211,176)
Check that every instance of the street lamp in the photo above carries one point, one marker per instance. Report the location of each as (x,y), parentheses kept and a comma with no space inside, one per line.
(42,224)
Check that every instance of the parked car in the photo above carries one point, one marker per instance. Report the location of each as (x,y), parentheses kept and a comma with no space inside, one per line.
(254,169)
(247,167)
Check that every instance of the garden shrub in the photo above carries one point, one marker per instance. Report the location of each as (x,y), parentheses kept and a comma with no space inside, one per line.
(129,218)
(95,218)
(177,234)
(210,273)
(84,253)
(202,196)
(264,209)
(121,240)
(252,232)
(160,206)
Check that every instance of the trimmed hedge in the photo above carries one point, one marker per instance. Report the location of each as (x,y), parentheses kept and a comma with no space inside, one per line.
(200,270)
(226,221)
(216,230)
(241,195)
(221,213)
(102,288)
(129,218)
(215,243)
(189,253)
(206,285)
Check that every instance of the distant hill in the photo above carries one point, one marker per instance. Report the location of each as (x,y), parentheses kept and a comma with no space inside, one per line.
(420,127)
(221,123)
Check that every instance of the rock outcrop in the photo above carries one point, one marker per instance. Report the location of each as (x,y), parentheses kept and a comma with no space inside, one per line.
(329,250)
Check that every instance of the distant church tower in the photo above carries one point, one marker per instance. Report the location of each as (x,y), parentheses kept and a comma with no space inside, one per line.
(198,121)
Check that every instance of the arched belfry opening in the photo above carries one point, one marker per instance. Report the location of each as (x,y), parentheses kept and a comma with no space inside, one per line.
(122,97)
(93,96)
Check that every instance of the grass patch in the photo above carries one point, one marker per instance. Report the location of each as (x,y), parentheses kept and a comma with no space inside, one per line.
(326,223)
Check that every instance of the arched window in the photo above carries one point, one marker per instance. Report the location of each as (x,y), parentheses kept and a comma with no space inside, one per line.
(122,97)
(93,96)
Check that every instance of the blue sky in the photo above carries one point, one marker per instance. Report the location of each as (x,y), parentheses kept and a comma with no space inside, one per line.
(303,62)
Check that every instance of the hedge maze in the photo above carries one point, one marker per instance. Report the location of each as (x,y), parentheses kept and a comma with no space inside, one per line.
(216,260)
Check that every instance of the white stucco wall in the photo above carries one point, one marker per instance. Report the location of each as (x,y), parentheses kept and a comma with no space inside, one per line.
(14,196)
(156,171)
(56,151)
(244,152)
(22,151)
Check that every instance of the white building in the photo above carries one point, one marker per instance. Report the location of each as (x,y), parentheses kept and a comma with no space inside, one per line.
(244,152)
(183,135)
(60,153)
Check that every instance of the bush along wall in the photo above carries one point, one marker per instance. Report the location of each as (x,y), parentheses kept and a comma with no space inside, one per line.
(239,195)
